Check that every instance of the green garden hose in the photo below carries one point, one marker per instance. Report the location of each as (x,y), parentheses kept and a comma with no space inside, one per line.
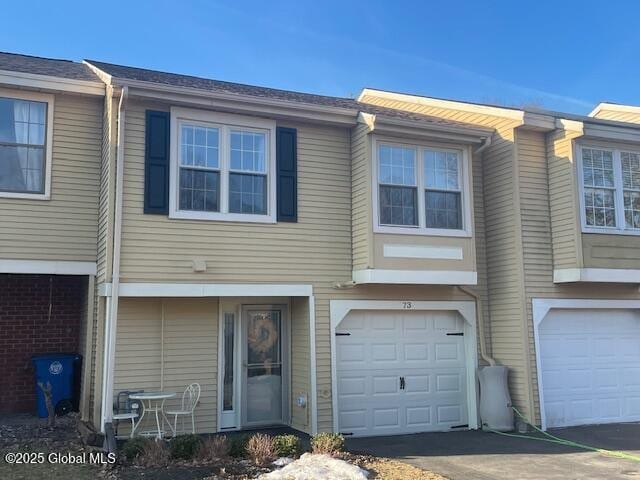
(561,441)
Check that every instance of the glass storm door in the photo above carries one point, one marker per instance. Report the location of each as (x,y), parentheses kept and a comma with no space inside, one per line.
(263,372)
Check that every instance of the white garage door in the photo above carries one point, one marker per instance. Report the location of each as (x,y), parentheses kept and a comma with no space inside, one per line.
(400,372)
(590,365)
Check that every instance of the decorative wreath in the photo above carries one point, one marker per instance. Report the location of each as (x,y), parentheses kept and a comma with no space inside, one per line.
(262,334)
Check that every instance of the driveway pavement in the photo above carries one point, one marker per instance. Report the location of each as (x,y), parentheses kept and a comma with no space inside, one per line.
(477,455)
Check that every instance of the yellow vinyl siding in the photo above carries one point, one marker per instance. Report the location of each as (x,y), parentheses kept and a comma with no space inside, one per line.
(610,251)
(563,199)
(537,227)
(361,197)
(241,252)
(152,356)
(502,245)
(64,227)
(300,364)
(316,250)
(536,236)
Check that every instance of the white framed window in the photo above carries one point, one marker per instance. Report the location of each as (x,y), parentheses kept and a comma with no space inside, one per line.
(222,167)
(421,189)
(26,125)
(609,180)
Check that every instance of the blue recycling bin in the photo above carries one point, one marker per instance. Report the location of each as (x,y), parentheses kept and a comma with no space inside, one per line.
(57,369)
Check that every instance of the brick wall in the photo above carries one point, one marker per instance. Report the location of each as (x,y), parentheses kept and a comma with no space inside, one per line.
(38,314)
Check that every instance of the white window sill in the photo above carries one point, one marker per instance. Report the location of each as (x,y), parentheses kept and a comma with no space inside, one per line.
(26,196)
(222,217)
(426,232)
(611,231)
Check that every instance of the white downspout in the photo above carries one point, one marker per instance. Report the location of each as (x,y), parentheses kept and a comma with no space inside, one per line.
(479,312)
(480,317)
(112,319)
(485,144)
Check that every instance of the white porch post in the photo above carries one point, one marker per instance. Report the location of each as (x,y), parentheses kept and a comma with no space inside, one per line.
(313,372)
(108,364)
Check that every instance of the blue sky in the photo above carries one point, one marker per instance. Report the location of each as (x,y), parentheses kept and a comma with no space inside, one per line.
(561,55)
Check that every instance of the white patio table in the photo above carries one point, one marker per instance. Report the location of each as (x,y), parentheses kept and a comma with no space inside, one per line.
(152,402)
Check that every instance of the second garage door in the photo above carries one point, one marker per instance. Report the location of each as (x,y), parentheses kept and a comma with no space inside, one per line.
(401,372)
(590,366)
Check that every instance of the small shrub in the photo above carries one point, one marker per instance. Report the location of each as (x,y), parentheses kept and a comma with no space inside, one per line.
(287,445)
(154,454)
(238,446)
(134,447)
(327,443)
(185,447)
(214,448)
(261,449)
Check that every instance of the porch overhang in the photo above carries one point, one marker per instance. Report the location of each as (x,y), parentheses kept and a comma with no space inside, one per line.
(207,290)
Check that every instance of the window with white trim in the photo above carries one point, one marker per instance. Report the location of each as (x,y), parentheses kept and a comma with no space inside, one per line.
(24,139)
(443,194)
(421,189)
(398,186)
(610,189)
(631,188)
(223,168)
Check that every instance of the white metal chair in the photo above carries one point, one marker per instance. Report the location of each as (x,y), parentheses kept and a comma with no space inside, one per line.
(117,417)
(125,409)
(190,399)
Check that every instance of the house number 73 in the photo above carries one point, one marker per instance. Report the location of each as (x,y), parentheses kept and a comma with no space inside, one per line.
(407,305)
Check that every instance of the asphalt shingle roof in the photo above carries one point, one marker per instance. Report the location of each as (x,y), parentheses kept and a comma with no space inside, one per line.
(46,66)
(177,80)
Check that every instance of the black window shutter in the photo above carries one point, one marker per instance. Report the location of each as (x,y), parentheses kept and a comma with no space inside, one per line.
(156,165)
(287,171)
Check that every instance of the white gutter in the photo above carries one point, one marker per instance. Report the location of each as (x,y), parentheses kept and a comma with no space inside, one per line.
(112,312)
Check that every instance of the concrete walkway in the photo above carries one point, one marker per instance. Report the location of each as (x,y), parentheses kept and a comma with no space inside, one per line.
(476,455)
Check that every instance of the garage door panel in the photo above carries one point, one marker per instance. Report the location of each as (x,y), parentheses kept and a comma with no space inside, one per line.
(631,378)
(415,352)
(590,366)
(385,347)
(419,417)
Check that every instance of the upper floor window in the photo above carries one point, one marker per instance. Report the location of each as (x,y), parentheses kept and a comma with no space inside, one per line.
(24,144)
(224,168)
(421,190)
(610,181)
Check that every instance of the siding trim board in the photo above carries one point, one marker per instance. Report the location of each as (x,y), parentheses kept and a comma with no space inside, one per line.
(51,267)
(431,277)
(613,275)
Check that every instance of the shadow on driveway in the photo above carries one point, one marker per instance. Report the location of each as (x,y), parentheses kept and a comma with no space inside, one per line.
(482,455)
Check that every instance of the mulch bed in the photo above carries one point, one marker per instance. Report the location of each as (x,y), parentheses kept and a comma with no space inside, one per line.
(388,469)
(29,434)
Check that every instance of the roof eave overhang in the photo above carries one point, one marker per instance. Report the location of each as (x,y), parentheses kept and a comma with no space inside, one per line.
(50,83)
(614,107)
(600,131)
(540,121)
(383,125)
(237,103)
